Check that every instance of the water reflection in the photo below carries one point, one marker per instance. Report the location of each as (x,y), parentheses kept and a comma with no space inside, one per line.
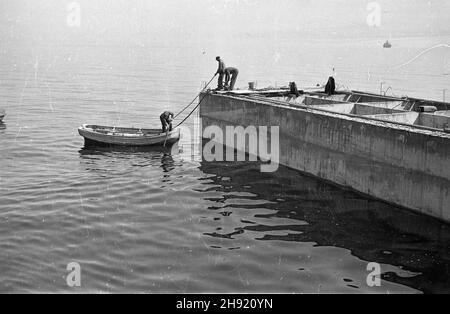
(316,212)
(131,157)
(247,219)
(167,162)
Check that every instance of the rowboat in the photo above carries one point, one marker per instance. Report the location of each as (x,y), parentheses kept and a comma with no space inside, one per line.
(115,136)
(2,115)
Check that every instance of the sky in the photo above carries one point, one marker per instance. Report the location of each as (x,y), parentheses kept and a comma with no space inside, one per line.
(135,20)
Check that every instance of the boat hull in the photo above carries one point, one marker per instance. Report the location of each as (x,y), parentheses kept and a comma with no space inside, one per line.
(109,136)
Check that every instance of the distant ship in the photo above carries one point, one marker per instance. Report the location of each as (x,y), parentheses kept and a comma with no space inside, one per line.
(387,44)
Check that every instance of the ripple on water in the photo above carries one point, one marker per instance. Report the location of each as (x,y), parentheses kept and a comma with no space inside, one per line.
(147,221)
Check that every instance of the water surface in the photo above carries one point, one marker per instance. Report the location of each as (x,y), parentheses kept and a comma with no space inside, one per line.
(159,221)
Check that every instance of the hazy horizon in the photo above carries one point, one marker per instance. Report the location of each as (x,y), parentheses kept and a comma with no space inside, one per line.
(270,41)
(140,21)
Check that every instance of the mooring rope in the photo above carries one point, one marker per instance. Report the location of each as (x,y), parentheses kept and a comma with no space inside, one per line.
(184,109)
(193,110)
(190,104)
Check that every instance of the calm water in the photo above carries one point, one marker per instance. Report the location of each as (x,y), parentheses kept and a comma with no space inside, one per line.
(152,221)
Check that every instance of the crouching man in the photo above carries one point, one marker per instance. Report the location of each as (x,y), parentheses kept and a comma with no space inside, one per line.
(231,75)
(166,121)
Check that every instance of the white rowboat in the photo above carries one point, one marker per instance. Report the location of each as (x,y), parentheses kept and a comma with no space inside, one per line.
(115,136)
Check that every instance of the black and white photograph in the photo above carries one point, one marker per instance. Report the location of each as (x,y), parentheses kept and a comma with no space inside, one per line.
(224,152)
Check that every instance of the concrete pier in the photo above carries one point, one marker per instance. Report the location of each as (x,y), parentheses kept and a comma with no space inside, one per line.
(394,156)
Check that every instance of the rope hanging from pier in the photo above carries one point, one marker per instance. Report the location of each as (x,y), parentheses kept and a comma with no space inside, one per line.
(193,110)
(190,104)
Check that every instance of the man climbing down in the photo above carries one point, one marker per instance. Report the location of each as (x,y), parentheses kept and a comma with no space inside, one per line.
(221,72)
(166,120)
(231,75)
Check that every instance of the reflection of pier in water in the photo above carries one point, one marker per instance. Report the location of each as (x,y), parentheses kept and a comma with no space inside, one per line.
(330,216)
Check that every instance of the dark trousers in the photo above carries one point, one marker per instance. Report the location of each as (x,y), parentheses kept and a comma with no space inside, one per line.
(220,81)
(165,125)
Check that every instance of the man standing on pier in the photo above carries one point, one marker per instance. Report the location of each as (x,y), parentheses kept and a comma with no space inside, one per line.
(221,72)
(231,75)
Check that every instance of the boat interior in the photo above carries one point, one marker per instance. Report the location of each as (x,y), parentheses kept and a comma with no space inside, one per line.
(419,113)
(121,130)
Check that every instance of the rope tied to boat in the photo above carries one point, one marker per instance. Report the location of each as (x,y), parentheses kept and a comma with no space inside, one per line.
(190,104)
(193,110)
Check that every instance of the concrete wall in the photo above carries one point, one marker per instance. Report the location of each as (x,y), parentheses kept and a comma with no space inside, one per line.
(351,108)
(434,121)
(443,113)
(340,107)
(365,98)
(363,109)
(409,117)
(315,101)
(398,164)
(412,117)
(387,104)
